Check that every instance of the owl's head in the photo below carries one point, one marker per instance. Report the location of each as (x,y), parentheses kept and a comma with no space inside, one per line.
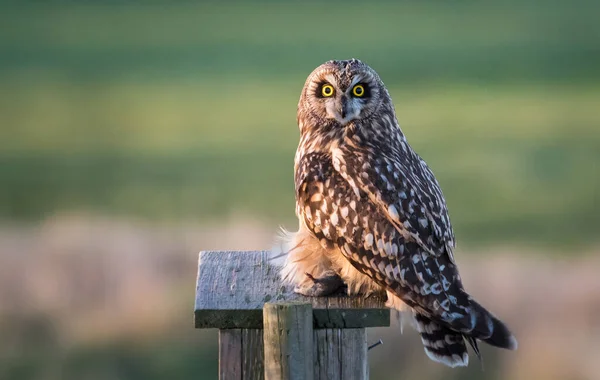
(340,92)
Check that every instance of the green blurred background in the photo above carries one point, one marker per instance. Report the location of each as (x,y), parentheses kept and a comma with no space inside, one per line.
(133,136)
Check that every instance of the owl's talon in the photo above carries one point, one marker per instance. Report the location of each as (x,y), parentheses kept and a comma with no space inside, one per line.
(323,286)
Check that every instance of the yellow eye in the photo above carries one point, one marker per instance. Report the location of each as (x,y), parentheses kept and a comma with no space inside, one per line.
(327,90)
(358,90)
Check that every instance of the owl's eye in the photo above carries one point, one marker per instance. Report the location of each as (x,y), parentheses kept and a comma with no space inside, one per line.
(327,90)
(358,90)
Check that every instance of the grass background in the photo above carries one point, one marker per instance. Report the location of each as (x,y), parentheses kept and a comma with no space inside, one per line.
(188,111)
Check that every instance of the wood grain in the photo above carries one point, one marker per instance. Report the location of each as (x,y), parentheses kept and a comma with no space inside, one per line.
(230,354)
(341,354)
(288,341)
(241,354)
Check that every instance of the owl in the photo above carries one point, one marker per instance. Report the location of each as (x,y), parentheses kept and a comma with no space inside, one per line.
(372,216)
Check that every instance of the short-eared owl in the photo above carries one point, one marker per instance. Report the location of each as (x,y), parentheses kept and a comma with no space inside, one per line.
(373,216)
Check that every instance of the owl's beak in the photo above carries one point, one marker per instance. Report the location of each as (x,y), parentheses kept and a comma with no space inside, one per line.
(346,111)
(341,110)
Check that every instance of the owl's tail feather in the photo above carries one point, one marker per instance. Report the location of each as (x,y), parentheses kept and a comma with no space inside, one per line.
(490,329)
(442,344)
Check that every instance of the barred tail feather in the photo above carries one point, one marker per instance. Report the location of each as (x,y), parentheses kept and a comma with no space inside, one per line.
(442,344)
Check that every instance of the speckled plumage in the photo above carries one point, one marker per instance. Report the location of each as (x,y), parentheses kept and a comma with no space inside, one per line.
(371,212)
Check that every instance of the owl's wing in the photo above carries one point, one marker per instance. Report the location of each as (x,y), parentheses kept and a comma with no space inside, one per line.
(405,191)
(341,216)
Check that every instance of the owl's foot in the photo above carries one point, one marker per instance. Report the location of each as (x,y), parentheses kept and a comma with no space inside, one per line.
(323,286)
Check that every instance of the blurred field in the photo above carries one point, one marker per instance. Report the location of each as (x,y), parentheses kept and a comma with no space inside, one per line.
(115,297)
(132,136)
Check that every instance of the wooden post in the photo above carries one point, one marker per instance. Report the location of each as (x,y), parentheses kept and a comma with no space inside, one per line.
(341,354)
(241,354)
(288,341)
(232,289)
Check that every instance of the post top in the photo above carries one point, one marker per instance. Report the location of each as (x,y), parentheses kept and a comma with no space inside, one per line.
(233,286)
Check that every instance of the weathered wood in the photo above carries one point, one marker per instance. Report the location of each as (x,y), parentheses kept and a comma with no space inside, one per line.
(252,354)
(288,341)
(241,354)
(341,354)
(232,288)
(230,354)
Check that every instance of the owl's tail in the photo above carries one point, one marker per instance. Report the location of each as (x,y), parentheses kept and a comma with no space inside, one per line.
(445,343)
(487,328)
